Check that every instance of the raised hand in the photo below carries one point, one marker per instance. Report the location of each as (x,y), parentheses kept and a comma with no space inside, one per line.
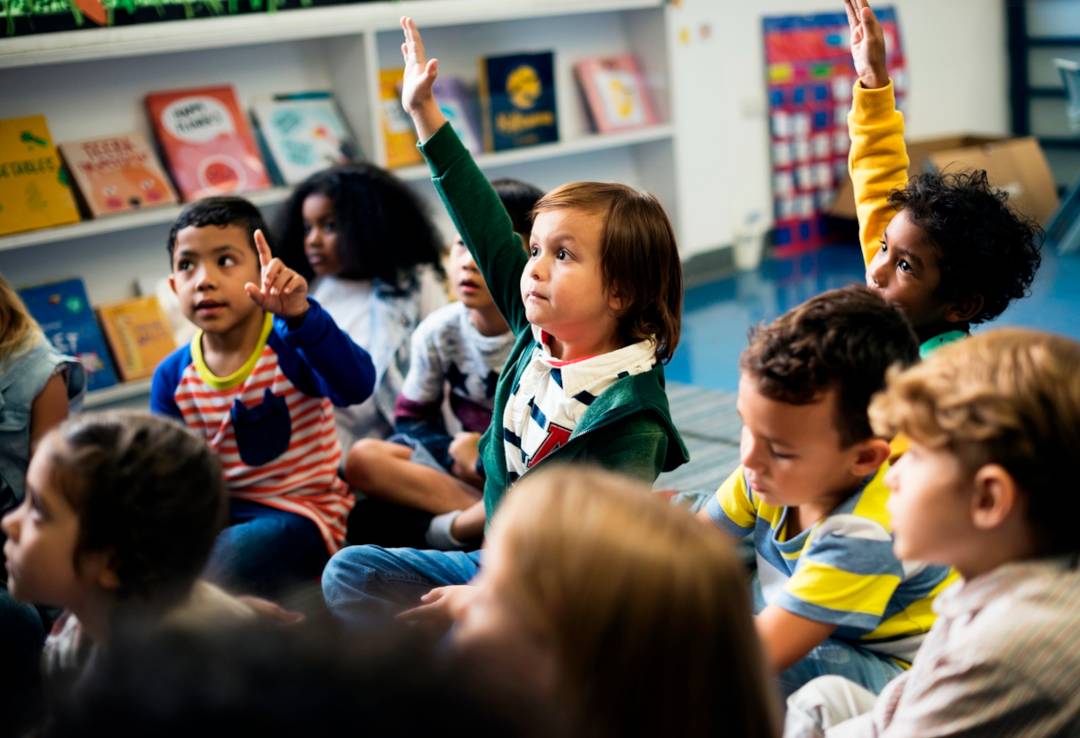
(867,44)
(283,292)
(420,73)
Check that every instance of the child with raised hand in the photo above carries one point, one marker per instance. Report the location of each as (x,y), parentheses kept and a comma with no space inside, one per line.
(994,427)
(945,248)
(831,596)
(617,609)
(456,356)
(259,381)
(595,304)
(120,512)
(374,259)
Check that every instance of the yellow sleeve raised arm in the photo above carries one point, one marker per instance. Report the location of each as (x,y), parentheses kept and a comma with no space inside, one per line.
(878,161)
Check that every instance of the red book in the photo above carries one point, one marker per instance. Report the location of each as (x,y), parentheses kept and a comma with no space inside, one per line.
(207,141)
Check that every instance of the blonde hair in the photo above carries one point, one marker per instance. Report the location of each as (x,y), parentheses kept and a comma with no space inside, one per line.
(17,327)
(1010,397)
(646,608)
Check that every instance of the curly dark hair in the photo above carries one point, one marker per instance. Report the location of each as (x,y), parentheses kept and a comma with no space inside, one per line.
(844,339)
(384,231)
(985,248)
(221,211)
(148,492)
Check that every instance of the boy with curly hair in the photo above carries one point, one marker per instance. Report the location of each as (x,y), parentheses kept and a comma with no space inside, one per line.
(945,248)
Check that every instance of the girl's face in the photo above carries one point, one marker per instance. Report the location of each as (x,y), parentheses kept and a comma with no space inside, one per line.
(320,234)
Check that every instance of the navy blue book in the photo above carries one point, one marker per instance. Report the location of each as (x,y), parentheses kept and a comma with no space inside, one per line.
(63,311)
(517,92)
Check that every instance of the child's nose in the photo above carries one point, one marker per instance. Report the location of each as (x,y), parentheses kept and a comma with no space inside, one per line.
(879,272)
(10,524)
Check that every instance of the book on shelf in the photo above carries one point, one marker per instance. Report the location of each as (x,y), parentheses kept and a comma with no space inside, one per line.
(458,102)
(399,136)
(517,95)
(616,93)
(302,133)
(115,174)
(206,141)
(139,335)
(34,187)
(63,311)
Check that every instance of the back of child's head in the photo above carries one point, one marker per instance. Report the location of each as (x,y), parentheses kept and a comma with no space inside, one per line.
(639,258)
(637,598)
(219,212)
(17,326)
(147,492)
(383,228)
(519,198)
(985,249)
(843,340)
(1009,397)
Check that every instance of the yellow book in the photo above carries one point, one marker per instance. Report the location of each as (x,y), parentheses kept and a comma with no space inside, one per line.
(138,334)
(34,188)
(399,136)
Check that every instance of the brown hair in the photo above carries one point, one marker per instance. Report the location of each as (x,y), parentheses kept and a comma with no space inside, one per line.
(147,491)
(638,256)
(1009,396)
(17,327)
(843,339)
(647,609)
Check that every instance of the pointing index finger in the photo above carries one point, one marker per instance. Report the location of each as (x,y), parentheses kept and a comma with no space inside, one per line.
(262,248)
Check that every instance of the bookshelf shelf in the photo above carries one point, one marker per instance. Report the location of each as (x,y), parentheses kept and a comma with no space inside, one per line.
(116,393)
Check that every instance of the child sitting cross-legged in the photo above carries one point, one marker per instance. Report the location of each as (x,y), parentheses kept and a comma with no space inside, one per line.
(831,596)
(994,429)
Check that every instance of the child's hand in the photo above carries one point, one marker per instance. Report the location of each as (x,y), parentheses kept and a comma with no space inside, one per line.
(867,44)
(283,292)
(420,72)
(465,450)
(440,607)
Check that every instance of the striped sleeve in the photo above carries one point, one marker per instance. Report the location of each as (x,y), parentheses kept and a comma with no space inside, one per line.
(733,508)
(846,575)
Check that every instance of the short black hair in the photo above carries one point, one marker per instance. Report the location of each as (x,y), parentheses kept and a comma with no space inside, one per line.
(519,198)
(148,492)
(221,212)
(986,249)
(844,339)
(383,228)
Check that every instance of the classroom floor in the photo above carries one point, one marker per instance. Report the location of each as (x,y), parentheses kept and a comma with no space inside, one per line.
(718,314)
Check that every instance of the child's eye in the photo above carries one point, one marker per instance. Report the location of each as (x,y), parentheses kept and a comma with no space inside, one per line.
(778,455)
(562,255)
(183,265)
(534,251)
(227,261)
(884,246)
(330,226)
(904,266)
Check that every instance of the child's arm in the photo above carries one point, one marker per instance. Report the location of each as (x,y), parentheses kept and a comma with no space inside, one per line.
(732,508)
(878,161)
(787,637)
(48,409)
(473,205)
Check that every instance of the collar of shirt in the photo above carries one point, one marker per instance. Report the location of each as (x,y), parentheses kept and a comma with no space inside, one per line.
(580,374)
(968,597)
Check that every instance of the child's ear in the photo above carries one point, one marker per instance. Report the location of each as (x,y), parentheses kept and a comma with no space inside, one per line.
(97,566)
(996,497)
(172,284)
(964,309)
(869,456)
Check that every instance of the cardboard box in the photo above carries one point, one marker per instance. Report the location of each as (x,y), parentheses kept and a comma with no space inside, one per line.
(1016,165)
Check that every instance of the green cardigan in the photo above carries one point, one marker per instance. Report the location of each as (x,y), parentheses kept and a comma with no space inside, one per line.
(628,428)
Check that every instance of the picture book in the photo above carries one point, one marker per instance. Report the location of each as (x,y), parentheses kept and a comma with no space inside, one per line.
(302,133)
(399,136)
(139,335)
(63,311)
(34,189)
(118,173)
(206,141)
(616,93)
(458,102)
(517,94)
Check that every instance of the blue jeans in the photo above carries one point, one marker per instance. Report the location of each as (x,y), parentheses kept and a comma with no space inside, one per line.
(362,584)
(841,658)
(265,551)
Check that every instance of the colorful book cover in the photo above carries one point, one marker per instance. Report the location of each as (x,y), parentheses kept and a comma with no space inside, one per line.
(34,190)
(458,102)
(399,136)
(517,93)
(616,94)
(117,173)
(207,141)
(139,335)
(63,311)
(302,133)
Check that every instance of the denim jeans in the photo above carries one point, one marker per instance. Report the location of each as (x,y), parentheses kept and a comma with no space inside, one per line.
(265,551)
(363,584)
(841,658)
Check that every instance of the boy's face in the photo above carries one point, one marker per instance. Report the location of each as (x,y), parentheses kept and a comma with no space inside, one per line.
(905,272)
(320,234)
(562,285)
(468,281)
(210,267)
(930,505)
(792,454)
